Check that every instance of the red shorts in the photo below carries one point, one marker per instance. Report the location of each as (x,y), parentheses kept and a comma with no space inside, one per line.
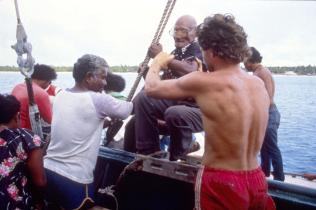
(224,189)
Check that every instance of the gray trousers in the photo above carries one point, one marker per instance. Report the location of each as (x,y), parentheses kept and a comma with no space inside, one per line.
(182,119)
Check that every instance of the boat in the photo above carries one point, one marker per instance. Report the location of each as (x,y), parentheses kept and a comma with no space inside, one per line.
(129,181)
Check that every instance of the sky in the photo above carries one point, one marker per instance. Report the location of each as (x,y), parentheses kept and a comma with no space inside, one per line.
(121,30)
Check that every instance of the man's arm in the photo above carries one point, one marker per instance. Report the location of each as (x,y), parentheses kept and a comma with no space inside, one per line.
(44,106)
(177,67)
(267,78)
(36,168)
(181,88)
(183,67)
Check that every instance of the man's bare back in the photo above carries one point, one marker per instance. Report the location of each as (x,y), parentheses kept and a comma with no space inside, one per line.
(236,122)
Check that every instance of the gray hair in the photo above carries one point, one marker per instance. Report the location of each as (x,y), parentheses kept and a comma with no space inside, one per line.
(88,63)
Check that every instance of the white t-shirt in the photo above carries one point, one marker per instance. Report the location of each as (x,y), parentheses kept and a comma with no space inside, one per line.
(76,132)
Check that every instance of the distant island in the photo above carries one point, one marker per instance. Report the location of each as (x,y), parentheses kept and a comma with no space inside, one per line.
(286,70)
(294,70)
(122,68)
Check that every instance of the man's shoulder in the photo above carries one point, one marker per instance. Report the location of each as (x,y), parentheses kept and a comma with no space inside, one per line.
(264,73)
(38,91)
(194,50)
(17,88)
(194,46)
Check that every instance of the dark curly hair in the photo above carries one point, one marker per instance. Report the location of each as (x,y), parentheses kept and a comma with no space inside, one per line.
(255,56)
(224,37)
(9,107)
(87,63)
(44,72)
(114,82)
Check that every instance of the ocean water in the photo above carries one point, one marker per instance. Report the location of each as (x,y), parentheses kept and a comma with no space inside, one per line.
(295,98)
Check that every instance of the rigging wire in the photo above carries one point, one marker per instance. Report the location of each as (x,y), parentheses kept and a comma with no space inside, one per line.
(26,68)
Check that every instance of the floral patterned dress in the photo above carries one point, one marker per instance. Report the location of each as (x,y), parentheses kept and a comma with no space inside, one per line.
(15,145)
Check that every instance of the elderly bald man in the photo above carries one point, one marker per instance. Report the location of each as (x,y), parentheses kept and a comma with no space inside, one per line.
(179,119)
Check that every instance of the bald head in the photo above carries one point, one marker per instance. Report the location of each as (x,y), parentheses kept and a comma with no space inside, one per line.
(184,31)
(187,20)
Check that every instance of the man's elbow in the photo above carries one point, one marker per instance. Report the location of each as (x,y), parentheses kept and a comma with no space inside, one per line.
(126,111)
(149,90)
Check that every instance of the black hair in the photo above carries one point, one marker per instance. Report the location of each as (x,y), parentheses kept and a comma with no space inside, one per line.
(114,82)
(44,72)
(87,63)
(224,37)
(255,56)
(9,107)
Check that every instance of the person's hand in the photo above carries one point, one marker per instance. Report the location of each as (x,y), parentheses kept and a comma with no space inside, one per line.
(142,68)
(200,65)
(163,59)
(107,122)
(154,50)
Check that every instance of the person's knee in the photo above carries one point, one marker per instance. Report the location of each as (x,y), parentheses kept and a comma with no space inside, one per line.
(172,115)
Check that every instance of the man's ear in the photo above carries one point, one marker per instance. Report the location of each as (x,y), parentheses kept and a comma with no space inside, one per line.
(208,53)
(88,77)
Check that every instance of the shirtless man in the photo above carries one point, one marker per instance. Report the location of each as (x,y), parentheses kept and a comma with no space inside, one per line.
(270,151)
(234,109)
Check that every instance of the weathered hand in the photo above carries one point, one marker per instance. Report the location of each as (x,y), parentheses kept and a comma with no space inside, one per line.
(163,59)
(154,50)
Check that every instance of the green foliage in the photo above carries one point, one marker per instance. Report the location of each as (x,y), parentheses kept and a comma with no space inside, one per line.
(124,68)
(9,68)
(69,69)
(300,70)
(62,68)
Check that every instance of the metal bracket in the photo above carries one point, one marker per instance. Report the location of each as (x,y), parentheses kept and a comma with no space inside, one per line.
(172,169)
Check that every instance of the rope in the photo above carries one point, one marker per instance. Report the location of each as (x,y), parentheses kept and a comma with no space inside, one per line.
(167,18)
(26,68)
(110,192)
(116,124)
(161,26)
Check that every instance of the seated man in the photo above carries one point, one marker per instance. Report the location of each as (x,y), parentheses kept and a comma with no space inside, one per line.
(22,175)
(235,108)
(79,114)
(177,118)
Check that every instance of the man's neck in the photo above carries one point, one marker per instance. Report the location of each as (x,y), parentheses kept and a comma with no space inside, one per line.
(221,65)
(7,126)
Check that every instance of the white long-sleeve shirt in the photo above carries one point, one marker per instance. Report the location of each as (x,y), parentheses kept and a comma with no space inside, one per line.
(76,132)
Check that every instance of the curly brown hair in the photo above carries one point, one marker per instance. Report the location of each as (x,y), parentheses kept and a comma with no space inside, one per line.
(224,37)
